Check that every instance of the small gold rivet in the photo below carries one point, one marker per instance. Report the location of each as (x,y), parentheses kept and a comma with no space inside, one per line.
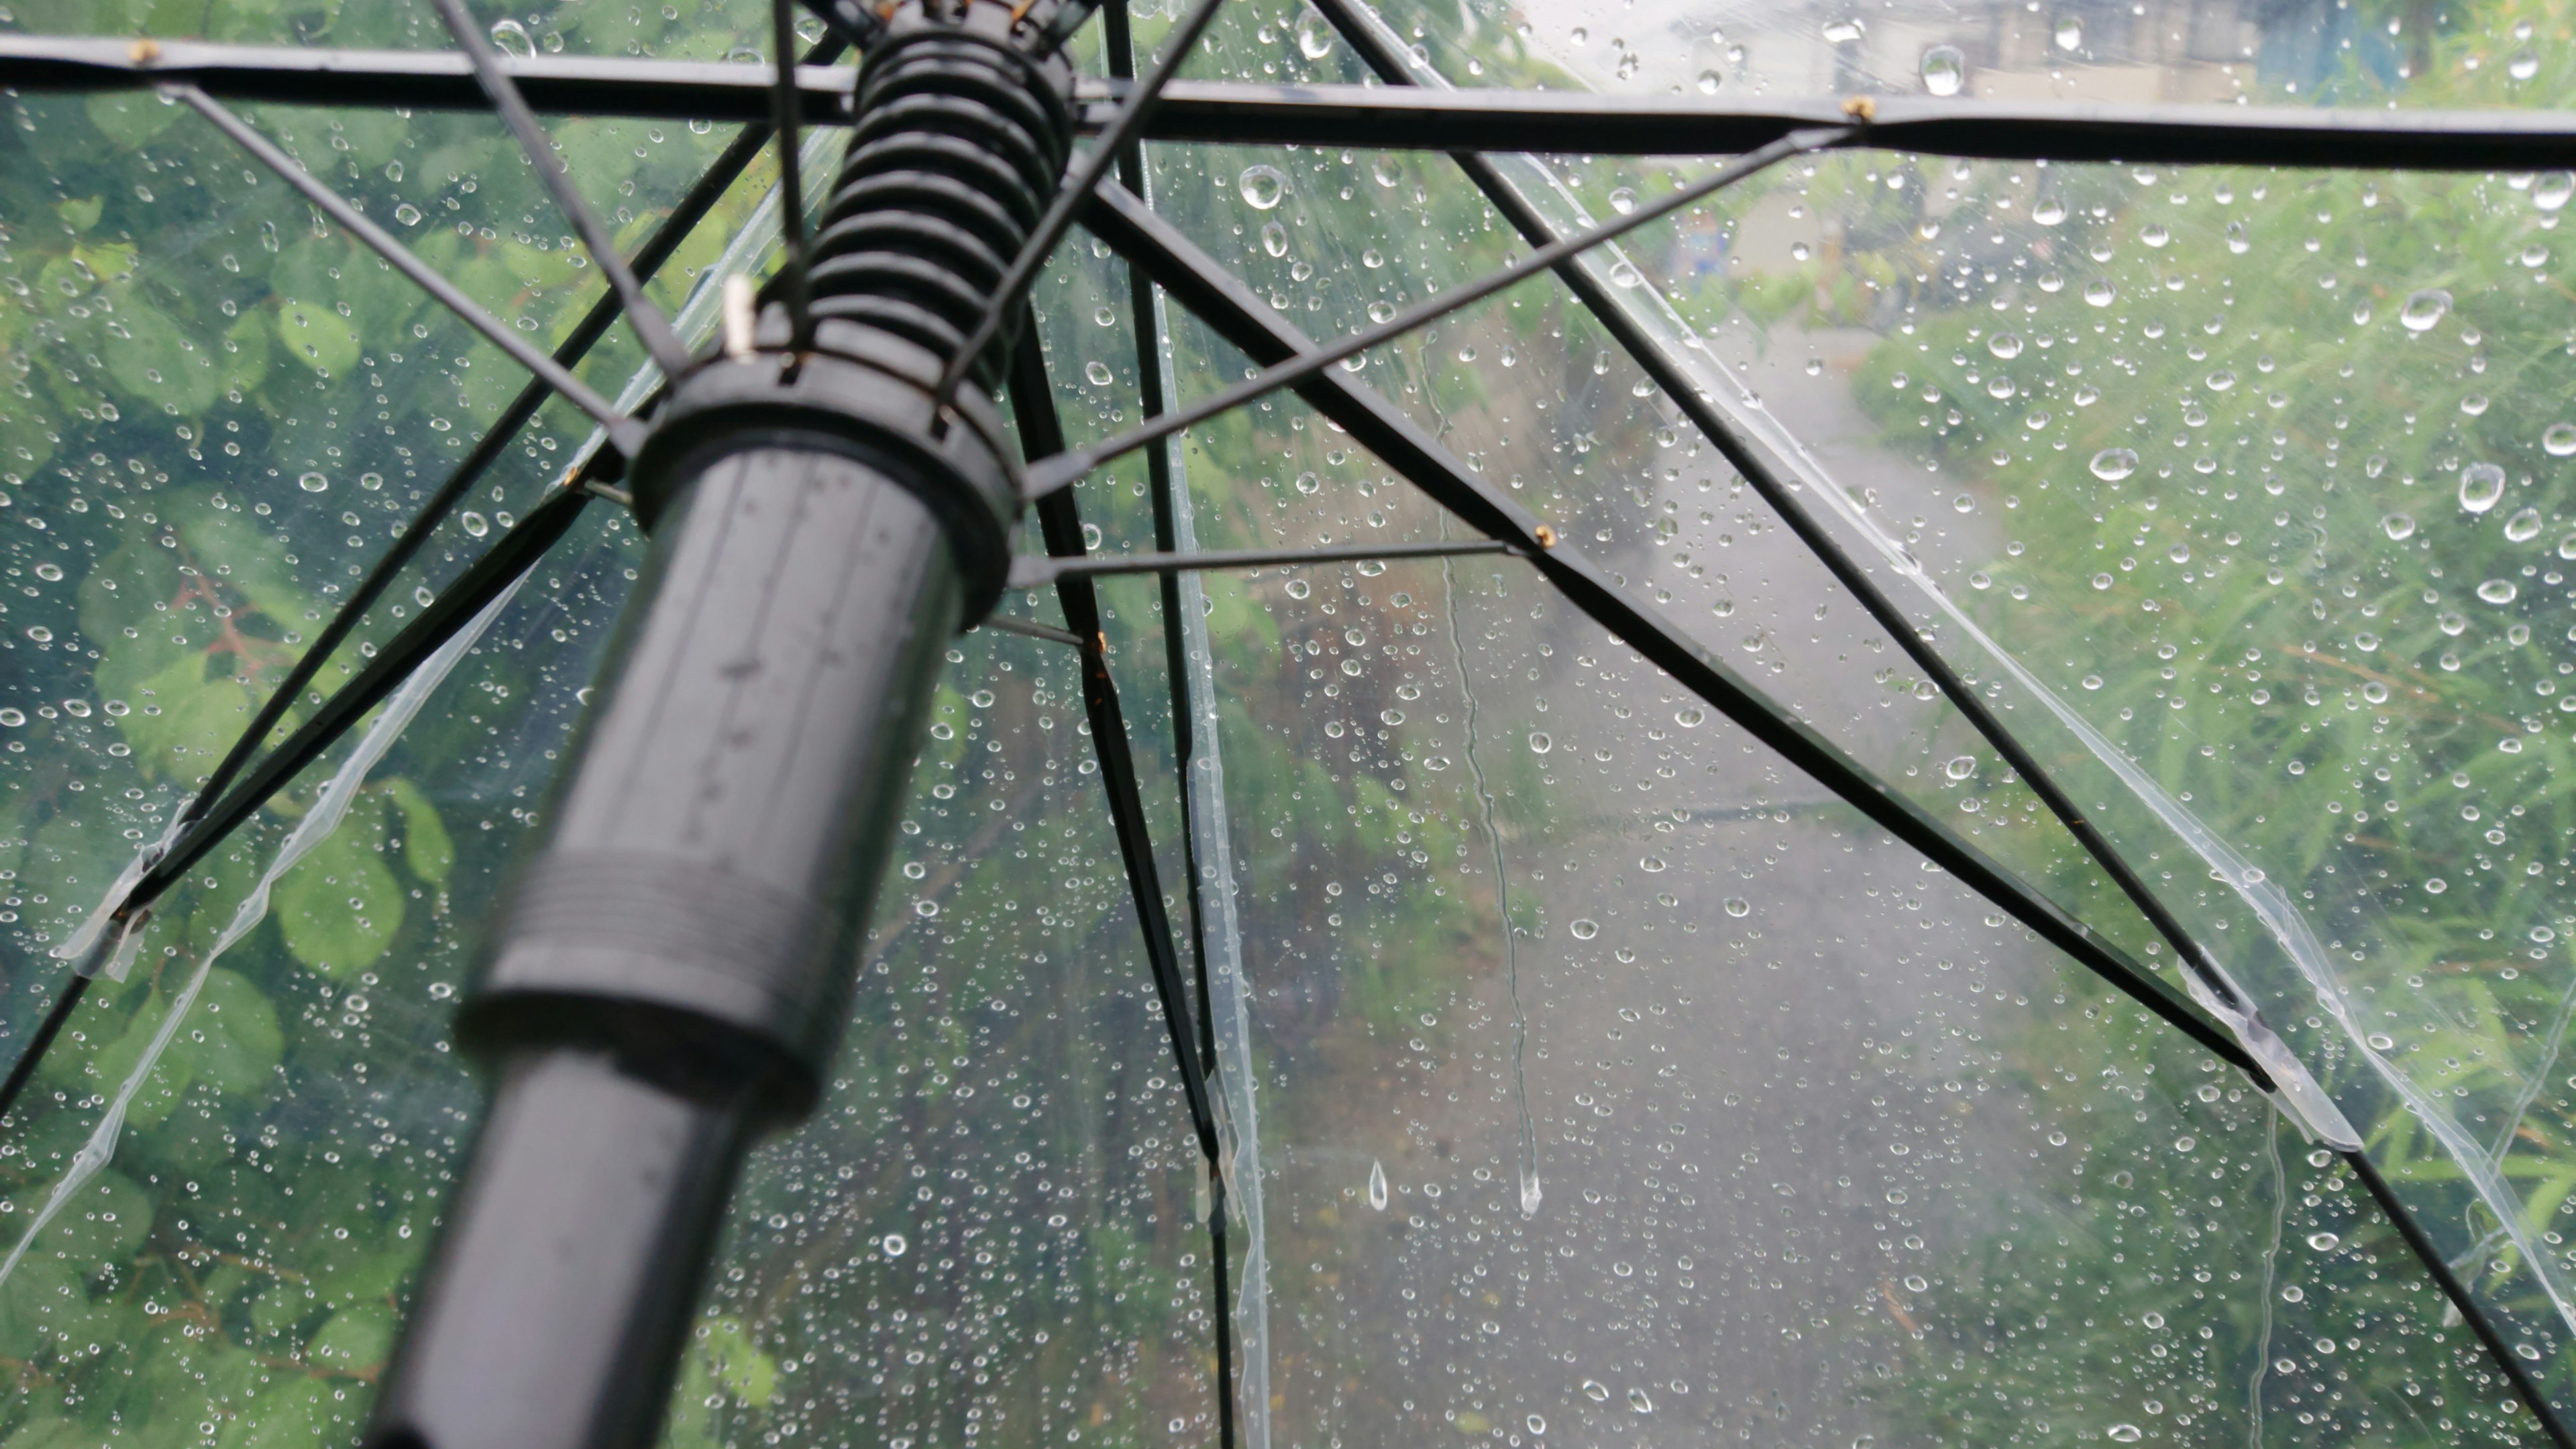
(1861,108)
(145,51)
(1545,535)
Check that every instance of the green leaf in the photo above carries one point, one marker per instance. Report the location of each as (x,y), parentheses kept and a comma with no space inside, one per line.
(232,1038)
(35,1303)
(129,118)
(105,1220)
(80,215)
(317,336)
(340,906)
(155,361)
(749,1374)
(296,1414)
(427,849)
(355,1340)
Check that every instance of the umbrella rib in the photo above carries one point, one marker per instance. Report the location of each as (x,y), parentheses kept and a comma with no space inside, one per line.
(2525,1387)
(621,428)
(649,259)
(1133,113)
(1030,571)
(1311,360)
(1060,521)
(794,285)
(1239,316)
(647,320)
(1118,42)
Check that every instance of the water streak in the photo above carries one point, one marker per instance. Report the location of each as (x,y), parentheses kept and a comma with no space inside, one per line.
(2271,1271)
(1531,1192)
(329,809)
(1221,932)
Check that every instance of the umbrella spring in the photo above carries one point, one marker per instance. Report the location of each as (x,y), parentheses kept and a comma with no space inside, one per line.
(961,141)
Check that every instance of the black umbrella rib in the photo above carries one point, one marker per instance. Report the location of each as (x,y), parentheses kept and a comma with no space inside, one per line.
(650,325)
(1028,572)
(1379,117)
(1756,466)
(1239,316)
(1118,41)
(1126,125)
(795,287)
(2525,1387)
(1308,361)
(1042,435)
(622,429)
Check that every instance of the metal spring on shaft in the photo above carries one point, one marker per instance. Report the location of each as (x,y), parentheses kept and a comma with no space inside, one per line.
(961,141)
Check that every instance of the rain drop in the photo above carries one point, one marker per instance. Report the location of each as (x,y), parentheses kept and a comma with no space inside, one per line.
(2126,1433)
(1623,200)
(1709,81)
(2425,309)
(2398,526)
(2560,440)
(2323,1242)
(1299,588)
(1738,907)
(2498,591)
(2551,191)
(407,214)
(1960,768)
(2237,241)
(1539,743)
(2113,464)
(1261,186)
(1594,1390)
(1377,1184)
(476,525)
(2481,486)
(2523,527)
(2048,211)
(1274,239)
(893,1244)
(2100,293)
(1314,37)
(2523,66)
(1097,371)
(511,39)
(312,482)
(1944,70)
(1584,928)
(2005,345)
(2070,33)
(1537,1426)
(1638,1401)
(1690,717)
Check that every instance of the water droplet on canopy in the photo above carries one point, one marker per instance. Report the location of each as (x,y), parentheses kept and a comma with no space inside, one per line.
(2523,527)
(1945,70)
(2481,486)
(2425,309)
(1261,186)
(1377,1184)
(2398,526)
(2113,464)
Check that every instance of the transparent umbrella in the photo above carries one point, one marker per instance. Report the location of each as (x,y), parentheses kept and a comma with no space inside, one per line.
(1787,725)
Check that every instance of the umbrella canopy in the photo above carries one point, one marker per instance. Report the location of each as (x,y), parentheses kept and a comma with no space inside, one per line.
(1816,725)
